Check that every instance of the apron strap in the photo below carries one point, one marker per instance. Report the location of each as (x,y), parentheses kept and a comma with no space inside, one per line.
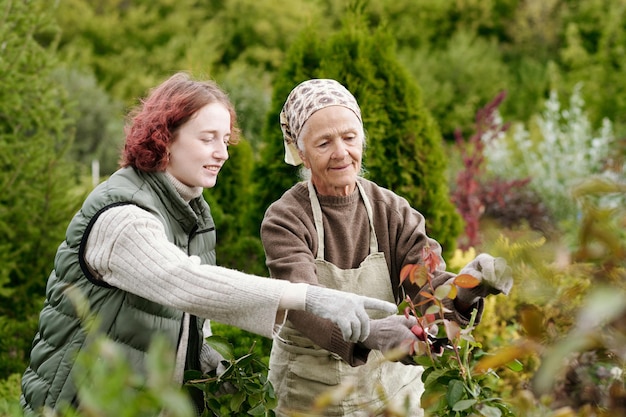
(317,218)
(319,225)
(370,216)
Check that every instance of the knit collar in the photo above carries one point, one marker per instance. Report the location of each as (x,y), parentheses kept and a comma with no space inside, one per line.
(331,200)
(186,192)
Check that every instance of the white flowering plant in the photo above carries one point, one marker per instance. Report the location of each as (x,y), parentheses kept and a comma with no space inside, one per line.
(557,151)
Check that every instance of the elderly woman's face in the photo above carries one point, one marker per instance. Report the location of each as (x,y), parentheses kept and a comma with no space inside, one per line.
(201,147)
(331,144)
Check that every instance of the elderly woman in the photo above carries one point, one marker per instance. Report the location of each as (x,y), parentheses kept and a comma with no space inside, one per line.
(339,230)
(141,250)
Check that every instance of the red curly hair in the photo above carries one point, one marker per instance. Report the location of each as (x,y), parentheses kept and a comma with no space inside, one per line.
(154,124)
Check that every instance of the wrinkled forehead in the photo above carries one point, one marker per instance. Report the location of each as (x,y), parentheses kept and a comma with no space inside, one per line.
(331,121)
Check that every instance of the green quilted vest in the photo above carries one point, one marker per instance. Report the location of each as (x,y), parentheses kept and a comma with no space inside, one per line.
(127,319)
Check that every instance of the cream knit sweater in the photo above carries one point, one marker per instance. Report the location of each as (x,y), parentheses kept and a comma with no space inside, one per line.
(128,249)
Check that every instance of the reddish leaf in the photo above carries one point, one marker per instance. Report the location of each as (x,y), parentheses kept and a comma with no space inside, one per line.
(405,272)
(466,281)
(418,275)
(423,302)
(427,295)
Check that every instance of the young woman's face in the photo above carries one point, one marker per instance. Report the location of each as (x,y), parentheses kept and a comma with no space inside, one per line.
(332,148)
(201,147)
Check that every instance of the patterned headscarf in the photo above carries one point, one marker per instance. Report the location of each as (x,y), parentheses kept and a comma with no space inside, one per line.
(304,100)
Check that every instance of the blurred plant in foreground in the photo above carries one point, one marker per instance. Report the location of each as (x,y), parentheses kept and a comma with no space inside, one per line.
(572,317)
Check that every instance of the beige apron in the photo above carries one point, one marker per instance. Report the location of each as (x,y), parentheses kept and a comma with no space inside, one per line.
(301,371)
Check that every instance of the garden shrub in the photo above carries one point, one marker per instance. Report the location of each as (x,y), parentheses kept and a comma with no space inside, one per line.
(38,182)
(559,150)
(10,391)
(478,196)
(564,318)
(513,204)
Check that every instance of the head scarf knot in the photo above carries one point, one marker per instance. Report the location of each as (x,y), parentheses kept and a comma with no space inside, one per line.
(304,100)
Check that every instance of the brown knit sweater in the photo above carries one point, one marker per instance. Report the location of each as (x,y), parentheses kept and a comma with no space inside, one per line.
(290,242)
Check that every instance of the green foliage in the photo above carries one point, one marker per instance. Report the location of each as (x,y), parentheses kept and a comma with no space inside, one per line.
(540,46)
(243,387)
(244,342)
(9,396)
(98,128)
(249,90)
(422,23)
(458,78)
(535,28)
(131,46)
(260,42)
(404,151)
(594,53)
(108,387)
(564,318)
(16,337)
(36,180)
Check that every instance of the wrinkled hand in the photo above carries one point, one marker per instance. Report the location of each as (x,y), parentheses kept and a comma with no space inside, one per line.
(346,310)
(392,333)
(494,274)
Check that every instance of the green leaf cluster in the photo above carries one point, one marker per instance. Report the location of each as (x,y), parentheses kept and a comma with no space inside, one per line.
(243,387)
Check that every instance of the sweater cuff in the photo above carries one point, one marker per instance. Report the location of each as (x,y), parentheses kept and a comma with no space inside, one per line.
(355,354)
(294,297)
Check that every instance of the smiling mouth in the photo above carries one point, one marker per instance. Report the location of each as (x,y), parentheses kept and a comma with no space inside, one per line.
(212,168)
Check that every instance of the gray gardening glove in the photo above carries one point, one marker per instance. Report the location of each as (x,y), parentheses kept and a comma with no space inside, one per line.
(346,310)
(210,360)
(494,274)
(391,333)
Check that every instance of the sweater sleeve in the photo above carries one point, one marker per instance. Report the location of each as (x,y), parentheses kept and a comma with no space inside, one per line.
(128,249)
(407,228)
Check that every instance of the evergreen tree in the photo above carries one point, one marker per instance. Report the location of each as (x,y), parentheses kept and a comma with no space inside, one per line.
(404,147)
(35,180)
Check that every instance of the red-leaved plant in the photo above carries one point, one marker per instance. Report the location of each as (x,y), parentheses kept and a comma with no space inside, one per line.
(445,350)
